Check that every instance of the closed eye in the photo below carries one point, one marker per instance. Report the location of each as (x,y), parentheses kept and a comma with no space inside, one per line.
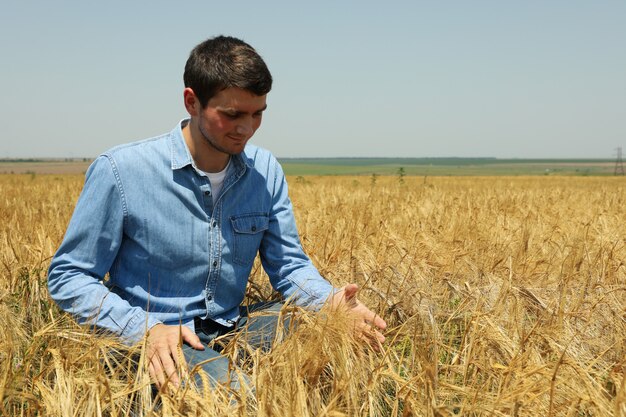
(232,115)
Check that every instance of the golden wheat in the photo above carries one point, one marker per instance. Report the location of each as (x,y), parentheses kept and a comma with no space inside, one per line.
(503,295)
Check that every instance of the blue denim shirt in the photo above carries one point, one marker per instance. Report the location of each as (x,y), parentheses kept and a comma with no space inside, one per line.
(146,217)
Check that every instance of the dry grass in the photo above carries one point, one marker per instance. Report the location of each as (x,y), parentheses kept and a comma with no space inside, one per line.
(504,296)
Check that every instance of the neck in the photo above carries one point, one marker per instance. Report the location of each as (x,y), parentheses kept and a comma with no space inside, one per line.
(205,156)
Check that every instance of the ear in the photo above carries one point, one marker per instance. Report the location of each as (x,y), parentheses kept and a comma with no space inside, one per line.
(192,104)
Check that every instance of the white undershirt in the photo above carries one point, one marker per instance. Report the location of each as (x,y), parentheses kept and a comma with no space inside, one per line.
(217,181)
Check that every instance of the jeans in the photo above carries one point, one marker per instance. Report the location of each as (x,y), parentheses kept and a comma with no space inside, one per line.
(260,331)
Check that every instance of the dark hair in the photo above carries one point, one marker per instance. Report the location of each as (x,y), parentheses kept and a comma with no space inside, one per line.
(223,62)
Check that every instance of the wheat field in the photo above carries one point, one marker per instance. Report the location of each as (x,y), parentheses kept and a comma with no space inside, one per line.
(504,296)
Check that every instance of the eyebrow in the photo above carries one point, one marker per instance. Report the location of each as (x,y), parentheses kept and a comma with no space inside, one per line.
(233,110)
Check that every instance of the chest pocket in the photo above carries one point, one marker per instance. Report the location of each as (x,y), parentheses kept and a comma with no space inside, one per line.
(248,231)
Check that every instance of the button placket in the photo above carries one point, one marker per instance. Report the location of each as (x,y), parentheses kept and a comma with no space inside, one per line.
(214,253)
(206,194)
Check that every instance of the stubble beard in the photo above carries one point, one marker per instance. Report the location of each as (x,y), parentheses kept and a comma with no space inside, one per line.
(211,142)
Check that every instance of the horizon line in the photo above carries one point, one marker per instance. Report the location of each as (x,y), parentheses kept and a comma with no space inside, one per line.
(91,158)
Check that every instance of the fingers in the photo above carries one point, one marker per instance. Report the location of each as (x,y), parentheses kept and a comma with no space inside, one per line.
(368,316)
(379,322)
(367,325)
(163,366)
(372,337)
(164,352)
(156,371)
(345,296)
(370,326)
(365,332)
(158,374)
(168,358)
(349,293)
(191,338)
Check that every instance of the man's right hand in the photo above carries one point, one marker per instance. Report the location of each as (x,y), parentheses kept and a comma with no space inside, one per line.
(165,351)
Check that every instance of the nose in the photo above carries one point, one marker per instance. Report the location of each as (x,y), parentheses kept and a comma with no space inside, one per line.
(244,128)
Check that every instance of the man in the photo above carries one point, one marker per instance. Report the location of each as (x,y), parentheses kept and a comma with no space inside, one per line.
(177,220)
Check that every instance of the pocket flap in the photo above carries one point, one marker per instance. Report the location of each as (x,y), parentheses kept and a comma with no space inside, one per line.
(250,223)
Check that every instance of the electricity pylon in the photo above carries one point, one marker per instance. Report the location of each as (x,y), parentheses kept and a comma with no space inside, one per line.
(619,164)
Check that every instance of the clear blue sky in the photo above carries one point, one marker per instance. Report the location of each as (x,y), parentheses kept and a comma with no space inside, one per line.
(526,79)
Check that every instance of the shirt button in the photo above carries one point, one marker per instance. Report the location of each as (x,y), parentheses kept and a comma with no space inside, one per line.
(214,224)
(214,263)
(254,228)
(207,192)
(210,297)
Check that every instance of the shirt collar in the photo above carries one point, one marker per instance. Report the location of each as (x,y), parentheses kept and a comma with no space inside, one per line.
(181,157)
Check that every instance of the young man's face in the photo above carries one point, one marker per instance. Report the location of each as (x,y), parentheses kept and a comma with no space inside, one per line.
(230,118)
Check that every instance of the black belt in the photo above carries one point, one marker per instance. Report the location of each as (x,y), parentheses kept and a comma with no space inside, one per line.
(210,326)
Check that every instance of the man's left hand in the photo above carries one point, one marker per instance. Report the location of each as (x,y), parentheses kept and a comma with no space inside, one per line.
(367,325)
